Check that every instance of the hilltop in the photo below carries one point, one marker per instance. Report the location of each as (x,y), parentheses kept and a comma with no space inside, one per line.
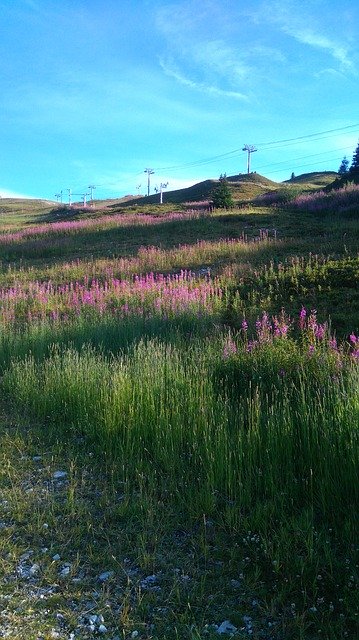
(244,188)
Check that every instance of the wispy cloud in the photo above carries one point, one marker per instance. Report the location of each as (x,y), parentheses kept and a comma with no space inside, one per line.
(198,86)
(196,59)
(305,27)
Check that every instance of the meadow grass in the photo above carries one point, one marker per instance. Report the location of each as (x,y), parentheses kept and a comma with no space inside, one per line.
(209,437)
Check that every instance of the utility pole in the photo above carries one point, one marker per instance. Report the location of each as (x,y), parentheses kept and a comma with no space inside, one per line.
(91,187)
(250,148)
(162,186)
(138,187)
(69,190)
(57,196)
(149,172)
(84,196)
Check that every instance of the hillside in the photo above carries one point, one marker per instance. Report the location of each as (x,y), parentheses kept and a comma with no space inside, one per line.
(244,187)
(314,180)
(178,393)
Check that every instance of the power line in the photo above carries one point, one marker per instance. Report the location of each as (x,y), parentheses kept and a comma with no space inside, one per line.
(267,146)
(273,143)
(311,155)
(309,164)
(311,135)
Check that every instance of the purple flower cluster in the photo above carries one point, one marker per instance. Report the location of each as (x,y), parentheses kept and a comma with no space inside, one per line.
(335,200)
(73,226)
(149,295)
(314,334)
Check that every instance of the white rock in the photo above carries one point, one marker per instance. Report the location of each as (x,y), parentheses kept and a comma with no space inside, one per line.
(102,629)
(92,619)
(134,635)
(64,572)
(58,475)
(34,570)
(226,627)
(148,582)
(106,575)
(56,557)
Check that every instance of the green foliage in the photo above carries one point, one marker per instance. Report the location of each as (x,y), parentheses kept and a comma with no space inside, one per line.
(222,195)
(354,168)
(344,166)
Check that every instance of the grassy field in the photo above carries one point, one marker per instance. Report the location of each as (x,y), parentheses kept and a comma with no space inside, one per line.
(179,426)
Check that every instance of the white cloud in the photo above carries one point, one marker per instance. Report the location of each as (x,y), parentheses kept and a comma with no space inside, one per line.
(307,27)
(199,61)
(6,193)
(199,86)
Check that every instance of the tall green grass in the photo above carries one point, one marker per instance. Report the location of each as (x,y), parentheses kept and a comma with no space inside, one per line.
(204,431)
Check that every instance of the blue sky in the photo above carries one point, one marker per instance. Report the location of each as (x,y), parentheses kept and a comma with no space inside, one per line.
(95,91)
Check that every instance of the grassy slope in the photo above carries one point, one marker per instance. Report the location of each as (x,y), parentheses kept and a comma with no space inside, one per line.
(206,570)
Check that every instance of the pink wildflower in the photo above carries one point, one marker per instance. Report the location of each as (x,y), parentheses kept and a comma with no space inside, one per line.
(230,349)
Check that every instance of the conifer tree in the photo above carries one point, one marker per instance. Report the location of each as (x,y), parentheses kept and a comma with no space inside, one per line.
(355,163)
(221,194)
(344,167)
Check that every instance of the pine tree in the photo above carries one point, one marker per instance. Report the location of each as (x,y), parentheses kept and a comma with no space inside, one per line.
(221,194)
(355,163)
(344,167)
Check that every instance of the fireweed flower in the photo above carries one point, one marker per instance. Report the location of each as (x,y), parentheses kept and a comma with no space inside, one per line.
(244,325)
(312,320)
(319,331)
(302,318)
(252,344)
(229,349)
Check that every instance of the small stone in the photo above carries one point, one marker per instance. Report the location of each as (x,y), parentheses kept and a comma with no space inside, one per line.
(226,627)
(148,582)
(236,584)
(36,458)
(34,570)
(102,629)
(58,475)
(64,572)
(56,557)
(105,575)
(92,619)
(134,635)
